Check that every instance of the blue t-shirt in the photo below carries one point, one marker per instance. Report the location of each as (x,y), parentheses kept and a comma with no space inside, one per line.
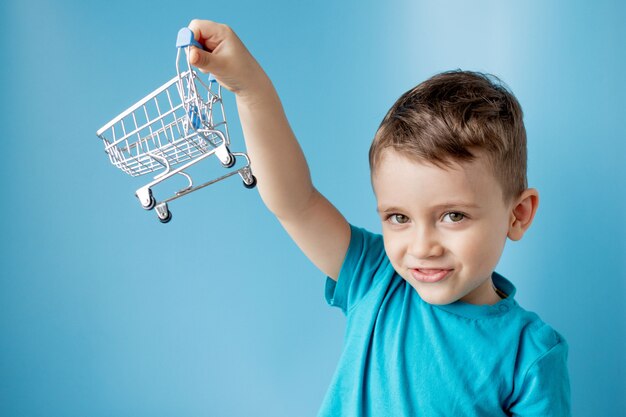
(405,357)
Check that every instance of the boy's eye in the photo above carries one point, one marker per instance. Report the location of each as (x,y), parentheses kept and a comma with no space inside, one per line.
(398,219)
(453,217)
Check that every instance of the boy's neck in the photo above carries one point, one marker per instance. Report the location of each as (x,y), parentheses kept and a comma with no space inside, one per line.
(486,294)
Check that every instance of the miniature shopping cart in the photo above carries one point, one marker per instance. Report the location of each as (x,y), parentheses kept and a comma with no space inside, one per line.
(181,122)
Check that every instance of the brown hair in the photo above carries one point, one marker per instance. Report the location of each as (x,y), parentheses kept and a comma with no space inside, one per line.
(447,116)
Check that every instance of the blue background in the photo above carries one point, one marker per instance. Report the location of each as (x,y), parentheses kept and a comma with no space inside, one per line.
(106,312)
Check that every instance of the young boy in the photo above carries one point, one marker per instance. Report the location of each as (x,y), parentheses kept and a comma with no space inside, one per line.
(432,330)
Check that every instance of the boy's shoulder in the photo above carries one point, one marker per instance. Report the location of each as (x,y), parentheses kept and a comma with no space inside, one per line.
(536,337)
(528,325)
(540,371)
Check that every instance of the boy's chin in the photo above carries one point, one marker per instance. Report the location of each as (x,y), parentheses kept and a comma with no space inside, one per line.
(432,296)
(438,300)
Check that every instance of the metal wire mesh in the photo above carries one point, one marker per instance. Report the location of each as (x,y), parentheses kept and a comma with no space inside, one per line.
(179,121)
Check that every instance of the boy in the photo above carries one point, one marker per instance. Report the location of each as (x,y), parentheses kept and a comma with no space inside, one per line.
(432,330)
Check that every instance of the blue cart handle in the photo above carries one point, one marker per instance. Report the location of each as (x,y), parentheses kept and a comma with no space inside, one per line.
(185,38)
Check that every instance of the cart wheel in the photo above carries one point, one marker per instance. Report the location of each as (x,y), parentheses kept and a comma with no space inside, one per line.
(151,201)
(231,161)
(163,213)
(167,218)
(252,184)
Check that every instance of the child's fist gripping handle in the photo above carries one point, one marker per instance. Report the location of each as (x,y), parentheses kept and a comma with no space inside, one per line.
(221,53)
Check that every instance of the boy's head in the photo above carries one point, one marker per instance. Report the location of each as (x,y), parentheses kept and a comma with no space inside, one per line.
(449,117)
(449,172)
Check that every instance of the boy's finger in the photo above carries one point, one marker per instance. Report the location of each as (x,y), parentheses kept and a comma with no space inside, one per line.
(200,59)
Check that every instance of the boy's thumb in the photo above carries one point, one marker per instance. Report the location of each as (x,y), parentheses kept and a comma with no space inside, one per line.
(200,59)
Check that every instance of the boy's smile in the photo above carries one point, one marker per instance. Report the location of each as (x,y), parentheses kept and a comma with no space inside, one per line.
(429,274)
(444,228)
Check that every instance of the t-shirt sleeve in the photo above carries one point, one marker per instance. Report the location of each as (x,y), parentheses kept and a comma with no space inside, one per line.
(545,389)
(364,259)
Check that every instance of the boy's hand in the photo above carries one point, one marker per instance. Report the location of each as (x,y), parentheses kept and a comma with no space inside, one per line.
(226,58)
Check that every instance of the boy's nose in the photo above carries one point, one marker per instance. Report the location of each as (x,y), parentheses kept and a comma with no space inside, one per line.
(425,244)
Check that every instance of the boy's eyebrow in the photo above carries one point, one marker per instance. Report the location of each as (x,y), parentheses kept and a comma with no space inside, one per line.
(447,205)
(456,204)
(391,209)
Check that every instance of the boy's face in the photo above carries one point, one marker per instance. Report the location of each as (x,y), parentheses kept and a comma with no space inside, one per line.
(444,228)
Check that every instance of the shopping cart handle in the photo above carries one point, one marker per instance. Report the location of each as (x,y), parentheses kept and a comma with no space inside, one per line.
(185,38)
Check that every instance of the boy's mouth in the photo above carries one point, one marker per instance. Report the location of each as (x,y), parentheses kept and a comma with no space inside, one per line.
(429,275)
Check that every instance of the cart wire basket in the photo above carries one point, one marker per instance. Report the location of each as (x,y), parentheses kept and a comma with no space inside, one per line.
(174,127)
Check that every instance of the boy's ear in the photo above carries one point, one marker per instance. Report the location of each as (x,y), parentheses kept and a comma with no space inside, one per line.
(523,213)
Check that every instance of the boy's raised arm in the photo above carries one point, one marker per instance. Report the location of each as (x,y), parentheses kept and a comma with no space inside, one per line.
(279,165)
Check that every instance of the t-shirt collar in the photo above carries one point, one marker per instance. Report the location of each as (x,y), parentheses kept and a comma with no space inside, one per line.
(464,309)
